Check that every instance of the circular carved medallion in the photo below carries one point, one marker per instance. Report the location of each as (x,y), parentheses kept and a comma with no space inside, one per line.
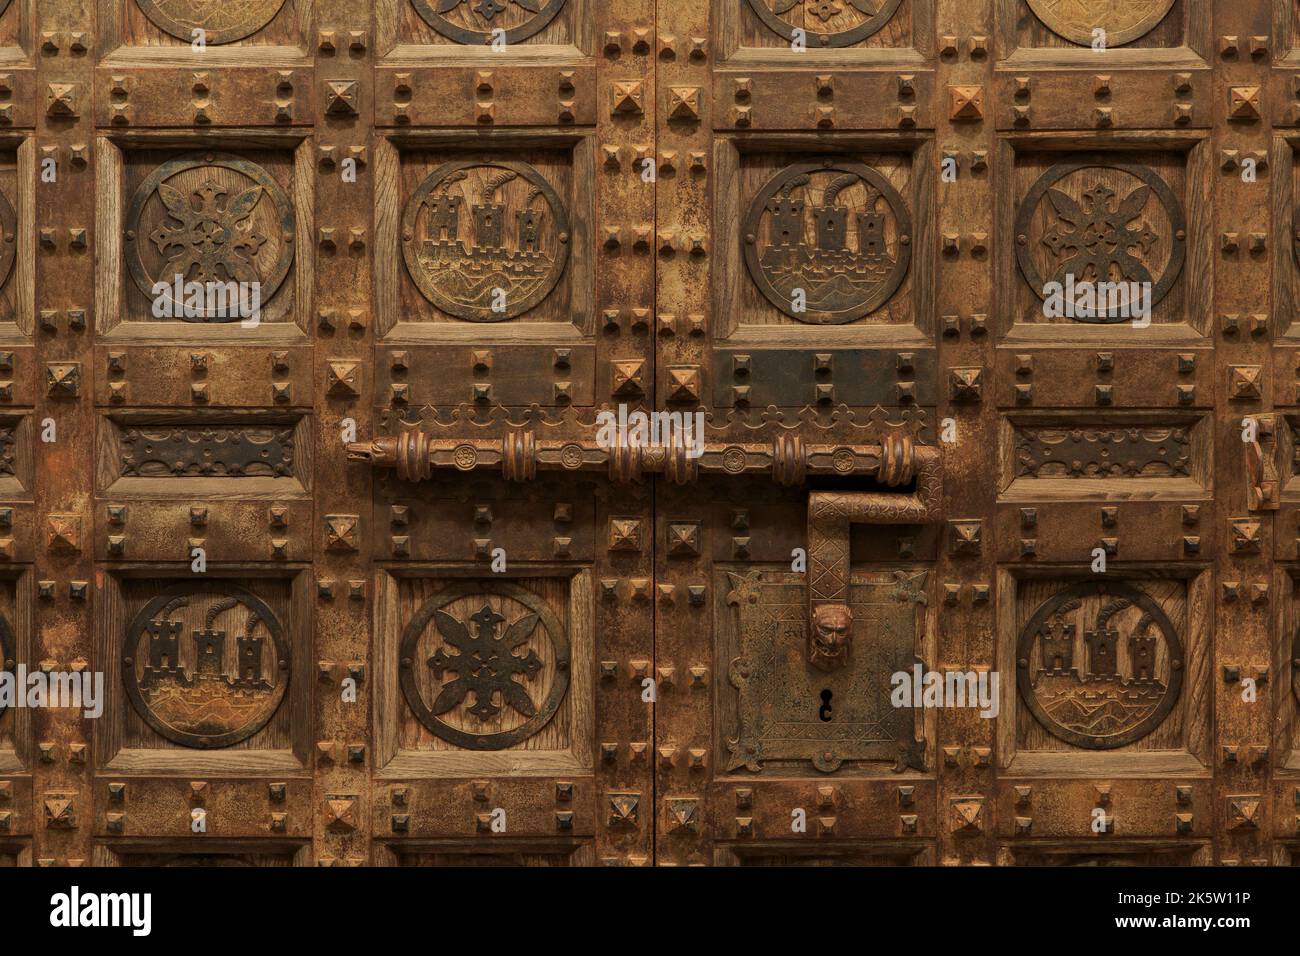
(8,238)
(827,242)
(1099,665)
(222,21)
(1122,20)
(477,21)
(485,241)
(825,23)
(1101,222)
(205,665)
(213,218)
(484,665)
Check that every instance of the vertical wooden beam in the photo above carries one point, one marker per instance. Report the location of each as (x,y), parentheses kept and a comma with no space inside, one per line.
(964,289)
(344,587)
(1244,625)
(64,277)
(626,111)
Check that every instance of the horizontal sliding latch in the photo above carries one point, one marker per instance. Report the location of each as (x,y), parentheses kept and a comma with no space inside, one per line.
(520,456)
(891,460)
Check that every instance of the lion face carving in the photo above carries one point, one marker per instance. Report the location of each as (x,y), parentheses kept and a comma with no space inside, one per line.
(831,636)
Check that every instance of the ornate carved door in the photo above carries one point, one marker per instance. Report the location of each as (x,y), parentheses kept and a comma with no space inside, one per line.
(384,559)
(862,210)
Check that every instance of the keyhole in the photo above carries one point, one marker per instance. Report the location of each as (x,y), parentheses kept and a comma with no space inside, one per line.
(825,712)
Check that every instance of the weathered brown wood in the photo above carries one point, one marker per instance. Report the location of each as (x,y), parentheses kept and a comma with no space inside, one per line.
(835,244)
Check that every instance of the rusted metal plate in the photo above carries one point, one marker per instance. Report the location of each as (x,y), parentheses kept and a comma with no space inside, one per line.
(760,377)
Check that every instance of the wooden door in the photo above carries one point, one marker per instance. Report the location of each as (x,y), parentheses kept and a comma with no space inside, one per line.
(377,567)
(867,205)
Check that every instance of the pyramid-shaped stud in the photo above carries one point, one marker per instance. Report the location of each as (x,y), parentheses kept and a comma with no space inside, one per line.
(684,384)
(967,814)
(1243,103)
(63,533)
(629,97)
(684,539)
(1244,381)
(623,808)
(684,102)
(965,384)
(341,97)
(682,813)
(61,100)
(63,379)
(625,534)
(966,103)
(340,811)
(1243,812)
(341,532)
(342,379)
(626,378)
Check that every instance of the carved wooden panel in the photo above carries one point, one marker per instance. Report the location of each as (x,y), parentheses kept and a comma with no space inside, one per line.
(853,24)
(1147,23)
(1111,667)
(484,674)
(204,674)
(1122,219)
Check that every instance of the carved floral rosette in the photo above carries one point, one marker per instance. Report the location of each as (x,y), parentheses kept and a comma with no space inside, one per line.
(210,218)
(486,21)
(825,23)
(484,665)
(1101,222)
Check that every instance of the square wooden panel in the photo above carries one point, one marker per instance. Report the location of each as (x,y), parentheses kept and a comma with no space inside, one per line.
(213,853)
(1286,702)
(1116,668)
(777,717)
(416,29)
(140,239)
(17,200)
(201,454)
(150,30)
(12,34)
(1118,455)
(219,673)
(1156,196)
(1285,155)
(849,228)
(15,854)
(499,852)
(436,718)
(486,245)
(16,628)
(15,457)
(754,30)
